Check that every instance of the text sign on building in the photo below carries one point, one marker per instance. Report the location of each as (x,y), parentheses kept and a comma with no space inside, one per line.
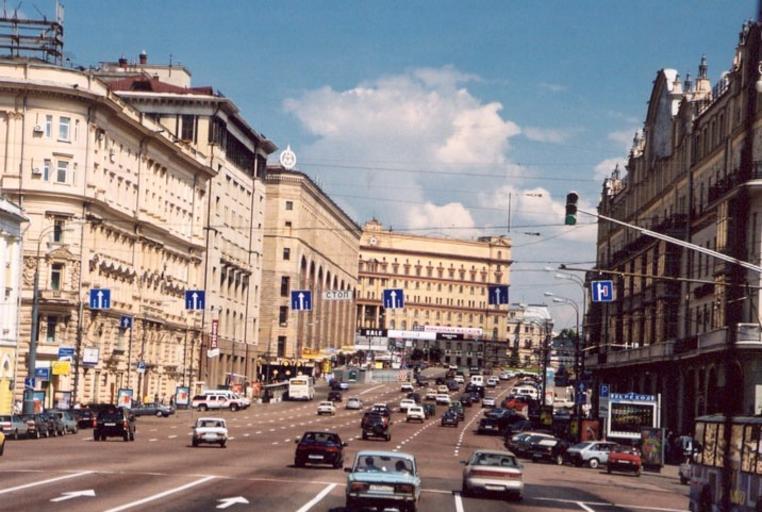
(100,298)
(394,298)
(378,333)
(125,322)
(90,355)
(602,291)
(195,299)
(466,331)
(337,295)
(214,349)
(498,294)
(65,353)
(301,300)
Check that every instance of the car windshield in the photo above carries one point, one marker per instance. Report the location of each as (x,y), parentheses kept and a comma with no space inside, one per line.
(383,463)
(321,437)
(493,459)
(211,424)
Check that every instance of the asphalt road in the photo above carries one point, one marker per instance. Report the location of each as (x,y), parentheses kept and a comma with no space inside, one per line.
(161,472)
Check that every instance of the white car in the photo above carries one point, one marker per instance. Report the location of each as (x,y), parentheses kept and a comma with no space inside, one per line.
(415,412)
(491,382)
(443,399)
(460,379)
(354,403)
(406,387)
(505,376)
(442,389)
(488,401)
(209,431)
(326,408)
(406,403)
(430,394)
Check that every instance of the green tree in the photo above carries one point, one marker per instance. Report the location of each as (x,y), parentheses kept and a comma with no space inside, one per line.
(416,354)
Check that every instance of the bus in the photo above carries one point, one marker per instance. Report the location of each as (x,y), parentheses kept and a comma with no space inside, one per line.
(745,454)
(301,388)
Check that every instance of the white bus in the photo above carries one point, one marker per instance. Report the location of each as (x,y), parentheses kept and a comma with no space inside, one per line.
(301,388)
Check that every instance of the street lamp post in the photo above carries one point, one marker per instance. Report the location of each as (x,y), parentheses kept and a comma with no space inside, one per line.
(578,361)
(525,194)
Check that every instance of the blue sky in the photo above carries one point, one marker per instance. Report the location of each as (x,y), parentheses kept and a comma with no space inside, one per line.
(427,114)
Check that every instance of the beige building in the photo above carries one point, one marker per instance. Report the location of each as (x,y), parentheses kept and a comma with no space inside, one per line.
(115,202)
(444,280)
(310,244)
(234,216)
(530,329)
(11,219)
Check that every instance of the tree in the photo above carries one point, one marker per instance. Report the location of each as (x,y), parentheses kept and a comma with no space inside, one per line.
(435,354)
(416,354)
(568,333)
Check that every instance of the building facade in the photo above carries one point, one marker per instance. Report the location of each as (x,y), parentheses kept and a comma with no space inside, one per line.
(693,173)
(234,207)
(445,283)
(310,244)
(11,219)
(115,204)
(530,328)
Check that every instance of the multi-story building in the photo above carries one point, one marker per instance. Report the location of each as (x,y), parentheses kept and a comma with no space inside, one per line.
(445,283)
(114,202)
(234,207)
(530,327)
(11,219)
(693,173)
(310,244)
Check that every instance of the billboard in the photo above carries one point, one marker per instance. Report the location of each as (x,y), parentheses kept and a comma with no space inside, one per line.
(629,414)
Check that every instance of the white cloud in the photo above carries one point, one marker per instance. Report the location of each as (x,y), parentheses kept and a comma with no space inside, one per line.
(603,169)
(623,137)
(454,218)
(553,135)
(553,87)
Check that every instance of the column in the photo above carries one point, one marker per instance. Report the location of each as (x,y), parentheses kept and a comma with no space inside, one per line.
(6,318)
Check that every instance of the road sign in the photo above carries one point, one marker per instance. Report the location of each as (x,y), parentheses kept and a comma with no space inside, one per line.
(42,373)
(603,291)
(66,353)
(301,300)
(394,298)
(141,367)
(100,298)
(603,391)
(498,294)
(337,295)
(125,322)
(29,383)
(195,299)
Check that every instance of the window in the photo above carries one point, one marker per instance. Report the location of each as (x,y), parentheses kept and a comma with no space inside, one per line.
(58,230)
(56,276)
(188,127)
(288,224)
(64,128)
(286,253)
(46,169)
(62,171)
(283,316)
(281,346)
(48,126)
(284,286)
(289,205)
(50,336)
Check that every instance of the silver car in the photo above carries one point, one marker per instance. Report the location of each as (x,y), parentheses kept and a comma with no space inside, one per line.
(591,453)
(13,426)
(493,471)
(354,403)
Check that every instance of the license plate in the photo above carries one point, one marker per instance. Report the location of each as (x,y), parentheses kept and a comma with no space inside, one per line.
(624,462)
(109,424)
(381,488)
(494,487)
(315,457)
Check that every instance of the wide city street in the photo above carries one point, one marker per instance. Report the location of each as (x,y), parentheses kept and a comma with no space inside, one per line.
(161,471)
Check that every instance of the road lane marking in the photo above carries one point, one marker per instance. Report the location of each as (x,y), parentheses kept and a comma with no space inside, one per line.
(458,502)
(161,494)
(585,507)
(153,440)
(314,501)
(43,482)
(172,436)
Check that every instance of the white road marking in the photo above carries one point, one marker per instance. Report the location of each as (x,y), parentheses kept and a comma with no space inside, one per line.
(458,502)
(172,436)
(246,434)
(152,440)
(258,432)
(43,482)
(314,501)
(608,504)
(585,507)
(161,494)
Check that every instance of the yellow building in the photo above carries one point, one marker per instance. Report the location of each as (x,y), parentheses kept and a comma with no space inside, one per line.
(445,283)
(310,244)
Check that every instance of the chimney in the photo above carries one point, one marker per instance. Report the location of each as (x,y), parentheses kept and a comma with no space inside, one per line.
(143,58)
(123,62)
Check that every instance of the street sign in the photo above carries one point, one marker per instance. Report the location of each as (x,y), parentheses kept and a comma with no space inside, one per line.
(394,298)
(29,383)
(498,294)
(301,300)
(195,299)
(603,391)
(42,373)
(125,322)
(337,295)
(602,291)
(100,298)
(66,353)
(141,367)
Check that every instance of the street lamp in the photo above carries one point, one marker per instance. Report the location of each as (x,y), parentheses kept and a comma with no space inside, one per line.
(578,360)
(524,194)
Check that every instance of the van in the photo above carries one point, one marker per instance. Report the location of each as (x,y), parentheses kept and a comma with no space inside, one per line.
(477,380)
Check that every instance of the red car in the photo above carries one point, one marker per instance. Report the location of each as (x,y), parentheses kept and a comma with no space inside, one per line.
(624,458)
(319,448)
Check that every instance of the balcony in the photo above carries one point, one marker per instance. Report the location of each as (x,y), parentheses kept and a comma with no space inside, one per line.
(62,297)
(653,353)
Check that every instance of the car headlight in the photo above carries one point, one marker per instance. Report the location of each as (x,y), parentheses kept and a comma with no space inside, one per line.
(358,486)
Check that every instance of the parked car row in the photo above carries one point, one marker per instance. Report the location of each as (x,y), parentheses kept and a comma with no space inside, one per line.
(50,423)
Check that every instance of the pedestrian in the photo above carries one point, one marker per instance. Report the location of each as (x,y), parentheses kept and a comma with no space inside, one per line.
(172,401)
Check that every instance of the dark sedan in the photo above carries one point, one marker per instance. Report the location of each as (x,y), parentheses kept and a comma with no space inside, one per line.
(37,425)
(547,448)
(489,426)
(334,396)
(154,409)
(319,448)
(114,422)
(85,417)
(466,400)
(450,419)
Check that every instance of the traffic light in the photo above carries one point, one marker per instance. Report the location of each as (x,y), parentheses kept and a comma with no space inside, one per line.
(571,209)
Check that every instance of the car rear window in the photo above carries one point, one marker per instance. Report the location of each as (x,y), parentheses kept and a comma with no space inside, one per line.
(493,459)
(110,415)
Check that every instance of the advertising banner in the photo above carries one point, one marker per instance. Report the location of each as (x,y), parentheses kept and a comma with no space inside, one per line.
(124,398)
(39,400)
(630,413)
(182,395)
(60,367)
(652,447)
